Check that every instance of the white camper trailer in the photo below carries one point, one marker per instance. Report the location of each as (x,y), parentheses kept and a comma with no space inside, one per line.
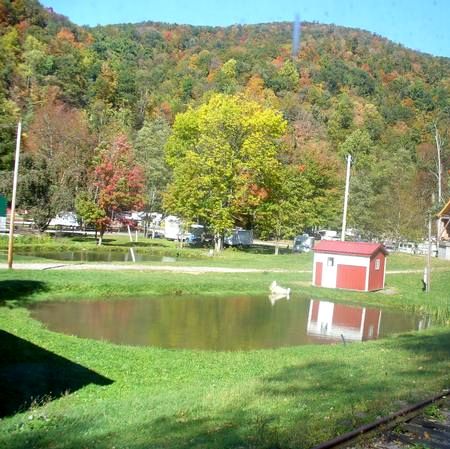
(172,227)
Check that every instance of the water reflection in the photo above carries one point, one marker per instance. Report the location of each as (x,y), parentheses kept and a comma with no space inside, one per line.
(278,292)
(227,323)
(130,255)
(330,321)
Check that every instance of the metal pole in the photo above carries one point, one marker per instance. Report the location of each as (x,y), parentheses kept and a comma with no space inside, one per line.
(13,201)
(437,138)
(347,188)
(429,256)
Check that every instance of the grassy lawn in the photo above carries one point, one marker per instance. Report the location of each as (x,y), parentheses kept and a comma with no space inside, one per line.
(257,257)
(95,394)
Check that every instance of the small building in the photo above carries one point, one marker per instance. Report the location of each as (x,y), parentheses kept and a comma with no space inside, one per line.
(444,232)
(3,205)
(349,265)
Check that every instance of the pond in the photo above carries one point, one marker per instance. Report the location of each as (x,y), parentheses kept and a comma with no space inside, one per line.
(98,256)
(224,323)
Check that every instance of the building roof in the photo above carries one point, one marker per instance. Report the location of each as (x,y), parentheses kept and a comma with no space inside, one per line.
(350,248)
(445,210)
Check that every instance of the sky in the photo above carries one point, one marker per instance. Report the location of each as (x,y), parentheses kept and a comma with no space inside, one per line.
(422,25)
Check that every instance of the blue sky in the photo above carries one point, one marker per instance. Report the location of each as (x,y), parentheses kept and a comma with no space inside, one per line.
(418,24)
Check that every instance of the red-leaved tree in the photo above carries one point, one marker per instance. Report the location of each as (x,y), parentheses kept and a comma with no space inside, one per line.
(118,180)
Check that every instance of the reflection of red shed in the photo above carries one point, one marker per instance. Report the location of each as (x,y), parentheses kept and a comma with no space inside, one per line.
(350,265)
(330,321)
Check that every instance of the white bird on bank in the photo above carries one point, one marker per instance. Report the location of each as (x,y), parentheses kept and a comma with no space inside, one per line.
(276,289)
(277,292)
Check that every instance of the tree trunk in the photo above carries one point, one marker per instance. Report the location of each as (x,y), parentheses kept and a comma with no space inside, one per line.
(218,243)
(102,231)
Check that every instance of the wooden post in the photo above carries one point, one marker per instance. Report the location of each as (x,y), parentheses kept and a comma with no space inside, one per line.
(13,201)
(129,233)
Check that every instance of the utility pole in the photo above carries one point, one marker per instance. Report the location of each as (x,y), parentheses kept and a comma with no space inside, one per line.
(439,142)
(13,201)
(347,189)
(428,269)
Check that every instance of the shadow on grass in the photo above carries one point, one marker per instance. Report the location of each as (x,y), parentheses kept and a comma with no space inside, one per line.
(29,373)
(344,384)
(351,380)
(261,249)
(150,244)
(90,240)
(16,292)
(233,429)
(427,345)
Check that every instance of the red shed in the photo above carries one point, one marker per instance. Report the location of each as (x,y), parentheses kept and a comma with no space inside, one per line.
(349,265)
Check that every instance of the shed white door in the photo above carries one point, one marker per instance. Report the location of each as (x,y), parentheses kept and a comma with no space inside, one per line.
(329,272)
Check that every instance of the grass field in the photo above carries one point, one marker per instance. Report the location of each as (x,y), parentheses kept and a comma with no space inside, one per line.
(94,394)
(260,257)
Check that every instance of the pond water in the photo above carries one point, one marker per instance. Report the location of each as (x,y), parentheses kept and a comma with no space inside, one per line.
(225,323)
(98,256)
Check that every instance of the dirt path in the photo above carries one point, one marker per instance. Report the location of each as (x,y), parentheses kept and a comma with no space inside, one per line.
(141,267)
(167,268)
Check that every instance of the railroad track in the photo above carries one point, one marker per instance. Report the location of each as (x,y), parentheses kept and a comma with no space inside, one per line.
(409,428)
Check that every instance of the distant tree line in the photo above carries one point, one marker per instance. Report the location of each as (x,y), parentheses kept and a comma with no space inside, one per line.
(222,125)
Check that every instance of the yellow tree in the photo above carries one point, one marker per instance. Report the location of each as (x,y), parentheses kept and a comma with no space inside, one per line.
(224,157)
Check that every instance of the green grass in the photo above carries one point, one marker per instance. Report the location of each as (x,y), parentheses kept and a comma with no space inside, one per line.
(256,257)
(142,397)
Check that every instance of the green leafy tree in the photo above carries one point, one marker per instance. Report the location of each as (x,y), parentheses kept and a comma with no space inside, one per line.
(287,78)
(223,155)
(360,146)
(8,129)
(37,194)
(149,149)
(226,78)
(90,212)
(341,120)
(290,206)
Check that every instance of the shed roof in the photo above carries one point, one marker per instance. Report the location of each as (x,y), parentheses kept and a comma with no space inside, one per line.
(445,210)
(350,248)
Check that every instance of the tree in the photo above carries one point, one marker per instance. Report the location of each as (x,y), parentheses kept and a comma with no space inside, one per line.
(149,150)
(60,135)
(37,193)
(118,183)
(8,128)
(90,212)
(226,77)
(223,155)
(290,208)
(58,151)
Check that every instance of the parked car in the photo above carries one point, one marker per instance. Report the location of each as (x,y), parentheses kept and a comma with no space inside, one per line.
(303,243)
(195,235)
(407,247)
(65,220)
(327,234)
(239,237)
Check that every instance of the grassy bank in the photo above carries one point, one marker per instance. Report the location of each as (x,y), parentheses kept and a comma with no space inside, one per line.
(105,395)
(259,257)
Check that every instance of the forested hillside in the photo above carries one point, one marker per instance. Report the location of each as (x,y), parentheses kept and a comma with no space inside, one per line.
(99,104)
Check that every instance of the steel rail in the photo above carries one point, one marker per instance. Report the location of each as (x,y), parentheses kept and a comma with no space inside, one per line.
(353,434)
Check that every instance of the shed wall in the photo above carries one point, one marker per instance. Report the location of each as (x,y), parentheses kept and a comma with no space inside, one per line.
(376,277)
(329,273)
